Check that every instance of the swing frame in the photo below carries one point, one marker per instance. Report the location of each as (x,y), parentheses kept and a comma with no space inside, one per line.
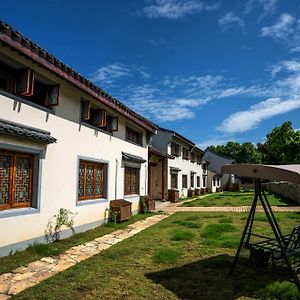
(280,242)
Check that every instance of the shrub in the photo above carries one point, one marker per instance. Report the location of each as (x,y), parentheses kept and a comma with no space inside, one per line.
(64,218)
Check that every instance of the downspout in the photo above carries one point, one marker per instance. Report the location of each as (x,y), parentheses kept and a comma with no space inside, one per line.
(116,179)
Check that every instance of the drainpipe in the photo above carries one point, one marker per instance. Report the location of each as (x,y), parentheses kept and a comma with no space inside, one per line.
(116,179)
(146,175)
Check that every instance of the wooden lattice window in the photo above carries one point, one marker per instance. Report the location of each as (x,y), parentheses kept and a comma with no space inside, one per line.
(184,181)
(16,179)
(131,181)
(91,180)
(174,181)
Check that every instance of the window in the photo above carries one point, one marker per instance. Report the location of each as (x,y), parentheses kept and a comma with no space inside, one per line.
(175,149)
(16,179)
(204,181)
(192,180)
(199,159)
(198,181)
(174,181)
(218,181)
(184,181)
(134,136)
(185,153)
(214,181)
(24,83)
(91,180)
(204,167)
(98,117)
(193,157)
(131,181)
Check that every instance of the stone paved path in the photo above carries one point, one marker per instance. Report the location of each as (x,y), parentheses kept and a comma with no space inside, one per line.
(35,272)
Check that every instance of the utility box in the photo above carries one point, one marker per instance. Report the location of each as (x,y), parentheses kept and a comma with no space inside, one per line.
(173,195)
(191,193)
(123,208)
(147,204)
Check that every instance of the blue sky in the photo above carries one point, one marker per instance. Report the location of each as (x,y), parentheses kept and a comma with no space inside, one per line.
(213,70)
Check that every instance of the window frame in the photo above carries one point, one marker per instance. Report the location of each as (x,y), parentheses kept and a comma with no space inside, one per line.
(82,199)
(12,178)
(198,181)
(175,149)
(176,182)
(192,183)
(184,181)
(136,190)
(133,136)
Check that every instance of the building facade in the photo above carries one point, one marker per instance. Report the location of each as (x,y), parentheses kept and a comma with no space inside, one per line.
(215,178)
(64,143)
(184,168)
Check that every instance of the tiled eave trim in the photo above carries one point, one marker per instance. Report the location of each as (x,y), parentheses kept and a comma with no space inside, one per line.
(49,62)
(19,130)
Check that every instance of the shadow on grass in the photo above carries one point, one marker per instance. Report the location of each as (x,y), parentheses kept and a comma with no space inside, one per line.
(210,279)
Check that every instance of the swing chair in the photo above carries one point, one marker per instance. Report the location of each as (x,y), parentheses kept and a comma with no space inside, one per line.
(281,248)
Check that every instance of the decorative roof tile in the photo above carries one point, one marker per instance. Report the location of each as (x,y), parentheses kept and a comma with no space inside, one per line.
(15,129)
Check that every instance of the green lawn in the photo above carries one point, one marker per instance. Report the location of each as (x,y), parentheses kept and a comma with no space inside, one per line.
(35,252)
(186,256)
(235,199)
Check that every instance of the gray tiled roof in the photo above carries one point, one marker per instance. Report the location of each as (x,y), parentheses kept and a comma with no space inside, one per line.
(15,129)
(216,161)
(134,158)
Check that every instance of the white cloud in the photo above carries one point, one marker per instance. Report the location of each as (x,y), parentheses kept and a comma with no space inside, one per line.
(213,7)
(172,9)
(249,119)
(282,29)
(285,65)
(286,30)
(110,73)
(268,7)
(229,20)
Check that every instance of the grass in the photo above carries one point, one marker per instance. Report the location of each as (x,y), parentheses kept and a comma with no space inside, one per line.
(235,199)
(37,251)
(152,264)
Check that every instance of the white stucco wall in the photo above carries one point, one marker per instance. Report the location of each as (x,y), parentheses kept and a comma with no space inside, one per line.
(59,168)
(186,166)
(210,182)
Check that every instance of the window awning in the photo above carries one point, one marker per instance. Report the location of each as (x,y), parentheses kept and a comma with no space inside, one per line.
(289,173)
(133,161)
(174,170)
(26,132)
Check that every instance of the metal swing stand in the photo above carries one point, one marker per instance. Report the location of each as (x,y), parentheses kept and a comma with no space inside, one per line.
(280,244)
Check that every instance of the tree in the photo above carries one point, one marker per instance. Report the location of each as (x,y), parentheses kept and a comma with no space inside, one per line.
(282,145)
(241,153)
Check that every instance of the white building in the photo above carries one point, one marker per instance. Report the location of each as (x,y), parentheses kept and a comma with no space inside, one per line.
(183,169)
(215,178)
(64,143)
